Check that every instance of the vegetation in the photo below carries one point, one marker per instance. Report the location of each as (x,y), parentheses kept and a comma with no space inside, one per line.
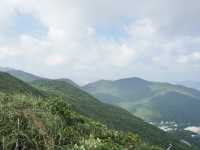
(27,77)
(41,119)
(174,106)
(151,101)
(10,84)
(27,122)
(113,117)
(192,138)
(24,76)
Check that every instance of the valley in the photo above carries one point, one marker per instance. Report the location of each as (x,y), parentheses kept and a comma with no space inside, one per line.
(172,108)
(113,116)
(99,75)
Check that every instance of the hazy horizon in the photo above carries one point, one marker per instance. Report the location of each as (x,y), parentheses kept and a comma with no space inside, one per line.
(178,82)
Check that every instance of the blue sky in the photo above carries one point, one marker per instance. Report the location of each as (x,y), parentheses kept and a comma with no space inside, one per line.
(100,39)
(26,24)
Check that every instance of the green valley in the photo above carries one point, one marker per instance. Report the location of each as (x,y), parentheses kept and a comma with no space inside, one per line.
(81,103)
(152,101)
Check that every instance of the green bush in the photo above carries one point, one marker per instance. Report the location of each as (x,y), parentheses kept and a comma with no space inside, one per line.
(32,123)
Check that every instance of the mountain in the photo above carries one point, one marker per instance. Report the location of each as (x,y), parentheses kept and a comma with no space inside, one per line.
(68,81)
(12,85)
(4,69)
(29,122)
(24,76)
(191,84)
(28,77)
(152,101)
(114,117)
(81,103)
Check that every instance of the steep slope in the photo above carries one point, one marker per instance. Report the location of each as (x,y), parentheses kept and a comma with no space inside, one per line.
(68,81)
(11,85)
(112,116)
(30,120)
(152,101)
(30,123)
(4,69)
(24,76)
(28,77)
(171,106)
(192,84)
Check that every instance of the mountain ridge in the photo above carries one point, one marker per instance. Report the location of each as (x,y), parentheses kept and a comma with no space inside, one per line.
(29,77)
(112,116)
(134,94)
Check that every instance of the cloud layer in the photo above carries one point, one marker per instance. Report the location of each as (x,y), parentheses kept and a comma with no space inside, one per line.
(93,39)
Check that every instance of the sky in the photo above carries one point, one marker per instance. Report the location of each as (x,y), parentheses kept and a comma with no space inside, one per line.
(88,40)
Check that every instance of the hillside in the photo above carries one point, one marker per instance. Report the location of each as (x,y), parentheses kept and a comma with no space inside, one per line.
(24,76)
(12,85)
(87,105)
(28,77)
(152,101)
(68,81)
(112,116)
(30,123)
(191,84)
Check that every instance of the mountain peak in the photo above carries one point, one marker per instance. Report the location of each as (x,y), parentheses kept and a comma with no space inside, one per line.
(131,79)
(10,84)
(5,69)
(69,81)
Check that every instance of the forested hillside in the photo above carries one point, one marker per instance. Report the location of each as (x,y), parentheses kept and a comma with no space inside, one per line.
(31,123)
(33,106)
(152,101)
(112,116)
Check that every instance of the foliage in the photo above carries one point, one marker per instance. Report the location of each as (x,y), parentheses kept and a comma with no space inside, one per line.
(10,84)
(52,120)
(151,101)
(114,117)
(31,123)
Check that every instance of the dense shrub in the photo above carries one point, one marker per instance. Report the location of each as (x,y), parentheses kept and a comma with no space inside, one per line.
(31,123)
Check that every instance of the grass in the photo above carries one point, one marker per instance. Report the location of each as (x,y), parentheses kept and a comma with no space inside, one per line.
(32,123)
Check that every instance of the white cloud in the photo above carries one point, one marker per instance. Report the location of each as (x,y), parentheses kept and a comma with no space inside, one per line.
(161,35)
(183,59)
(6,52)
(121,55)
(54,60)
(196,55)
(190,58)
(142,29)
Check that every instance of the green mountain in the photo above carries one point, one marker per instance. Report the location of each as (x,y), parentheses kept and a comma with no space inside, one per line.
(24,76)
(152,101)
(68,81)
(192,84)
(12,85)
(4,69)
(29,122)
(82,103)
(28,77)
(114,117)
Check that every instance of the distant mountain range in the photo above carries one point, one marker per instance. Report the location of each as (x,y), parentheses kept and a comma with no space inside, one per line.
(191,84)
(152,101)
(85,104)
(24,76)
(35,119)
(28,77)
(12,85)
